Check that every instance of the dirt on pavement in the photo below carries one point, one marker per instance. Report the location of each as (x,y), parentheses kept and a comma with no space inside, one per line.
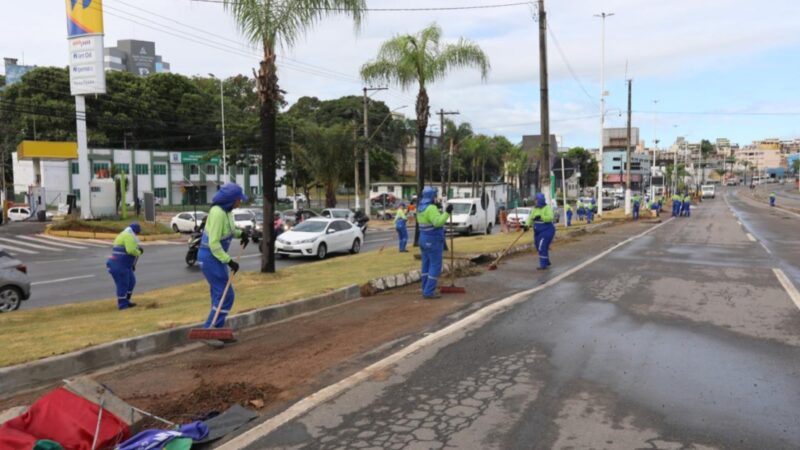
(274,365)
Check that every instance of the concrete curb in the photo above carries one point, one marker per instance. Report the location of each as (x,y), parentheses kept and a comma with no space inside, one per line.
(37,373)
(107,236)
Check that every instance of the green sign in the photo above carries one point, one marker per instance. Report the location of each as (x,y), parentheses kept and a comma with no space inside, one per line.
(199,158)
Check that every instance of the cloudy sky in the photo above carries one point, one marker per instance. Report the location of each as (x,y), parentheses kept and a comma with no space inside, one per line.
(717,68)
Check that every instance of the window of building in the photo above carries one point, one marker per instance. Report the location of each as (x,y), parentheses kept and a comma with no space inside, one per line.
(98,166)
(123,168)
(142,169)
(75,168)
(390,189)
(159,169)
(211,169)
(253,190)
(374,188)
(193,169)
(253,170)
(160,192)
(76,193)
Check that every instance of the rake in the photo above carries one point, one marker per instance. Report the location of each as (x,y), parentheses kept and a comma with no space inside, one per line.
(493,266)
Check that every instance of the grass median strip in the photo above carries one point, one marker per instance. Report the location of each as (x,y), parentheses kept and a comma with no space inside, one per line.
(43,332)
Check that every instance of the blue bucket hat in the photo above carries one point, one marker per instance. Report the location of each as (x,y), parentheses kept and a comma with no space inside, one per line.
(227,196)
(540,200)
(428,196)
(135,227)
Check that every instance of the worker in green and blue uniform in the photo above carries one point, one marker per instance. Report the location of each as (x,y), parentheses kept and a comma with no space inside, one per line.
(686,206)
(122,263)
(677,199)
(590,210)
(544,231)
(400,221)
(213,256)
(655,207)
(579,207)
(569,215)
(772,199)
(637,203)
(431,241)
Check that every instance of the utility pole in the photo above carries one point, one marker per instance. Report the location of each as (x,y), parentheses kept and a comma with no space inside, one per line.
(545,103)
(366,147)
(294,170)
(628,155)
(655,149)
(603,16)
(355,166)
(224,149)
(443,113)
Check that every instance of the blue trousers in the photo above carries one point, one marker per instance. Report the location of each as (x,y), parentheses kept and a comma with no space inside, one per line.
(686,209)
(635,211)
(216,274)
(569,218)
(589,216)
(771,201)
(431,248)
(542,237)
(125,281)
(581,213)
(402,236)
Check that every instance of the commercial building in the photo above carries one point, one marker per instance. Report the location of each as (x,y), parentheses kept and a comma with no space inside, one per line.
(136,57)
(14,71)
(406,190)
(175,178)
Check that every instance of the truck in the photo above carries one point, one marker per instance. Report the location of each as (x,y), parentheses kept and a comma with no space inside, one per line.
(472,215)
(708,191)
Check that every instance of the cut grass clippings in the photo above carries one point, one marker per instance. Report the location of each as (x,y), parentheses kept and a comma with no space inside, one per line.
(108,226)
(43,332)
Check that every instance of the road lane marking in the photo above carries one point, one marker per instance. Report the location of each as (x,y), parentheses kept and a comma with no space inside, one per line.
(26,244)
(788,286)
(738,222)
(765,248)
(13,249)
(49,242)
(326,394)
(57,261)
(83,277)
(750,236)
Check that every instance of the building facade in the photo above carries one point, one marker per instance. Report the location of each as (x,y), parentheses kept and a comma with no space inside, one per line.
(14,71)
(404,191)
(136,57)
(175,178)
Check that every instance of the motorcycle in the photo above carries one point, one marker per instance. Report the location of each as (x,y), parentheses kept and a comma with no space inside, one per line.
(194,247)
(360,220)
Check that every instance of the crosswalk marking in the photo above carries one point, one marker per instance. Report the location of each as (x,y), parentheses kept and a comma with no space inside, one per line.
(16,250)
(27,244)
(51,242)
(81,242)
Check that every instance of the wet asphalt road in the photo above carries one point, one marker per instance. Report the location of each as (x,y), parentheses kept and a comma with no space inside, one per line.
(681,339)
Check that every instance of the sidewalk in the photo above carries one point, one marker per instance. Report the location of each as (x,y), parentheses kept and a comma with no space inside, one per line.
(279,363)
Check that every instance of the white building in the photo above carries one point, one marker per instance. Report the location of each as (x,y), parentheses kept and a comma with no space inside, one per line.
(405,190)
(175,178)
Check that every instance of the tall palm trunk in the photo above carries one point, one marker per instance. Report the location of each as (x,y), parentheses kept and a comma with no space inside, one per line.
(268,95)
(330,195)
(422,125)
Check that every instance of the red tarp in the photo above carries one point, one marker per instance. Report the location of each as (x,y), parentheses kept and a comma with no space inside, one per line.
(66,418)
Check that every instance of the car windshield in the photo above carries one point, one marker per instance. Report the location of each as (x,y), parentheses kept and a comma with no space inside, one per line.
(340,214)
(521,211)
(259,216)
(311,226)
(461,208)
(239,217)
(201,215)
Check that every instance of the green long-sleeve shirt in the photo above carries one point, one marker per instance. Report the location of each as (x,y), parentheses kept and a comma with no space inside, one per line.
(400,215)
(128,240)
(545,213)
(432,216)
(220,225)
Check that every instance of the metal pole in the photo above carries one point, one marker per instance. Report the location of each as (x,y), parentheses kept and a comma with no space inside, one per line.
(366,148)
(628,155)
(84,174)
(544,103)
(564,190)
(655,148)
(602,110)
(224,149)
(294,171)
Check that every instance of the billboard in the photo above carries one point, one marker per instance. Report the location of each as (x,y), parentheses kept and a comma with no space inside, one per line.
(84,17)
(85,33)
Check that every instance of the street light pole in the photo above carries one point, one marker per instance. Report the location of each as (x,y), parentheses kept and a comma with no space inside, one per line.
(224,149)
(655,149)
(366,147)
(603,16)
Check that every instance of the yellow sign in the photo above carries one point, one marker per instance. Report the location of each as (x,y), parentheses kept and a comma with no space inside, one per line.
(84,17)
(47,150)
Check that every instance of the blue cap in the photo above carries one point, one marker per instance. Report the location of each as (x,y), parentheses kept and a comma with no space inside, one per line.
(540,200)
(135,227)
(227,195)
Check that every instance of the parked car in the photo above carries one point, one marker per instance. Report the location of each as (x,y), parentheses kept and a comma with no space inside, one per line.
(383,198)
(20,213)
(338,213)
(15,286)
(288,217)
(319,237)
(186,222)
(469,216)
(244,218)
(610,203)
(708,191)
(518,216)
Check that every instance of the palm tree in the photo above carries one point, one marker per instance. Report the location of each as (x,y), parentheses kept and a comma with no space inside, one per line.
(268,24)
(421,59)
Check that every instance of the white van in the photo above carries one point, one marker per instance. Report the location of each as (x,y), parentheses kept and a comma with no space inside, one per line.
(471,216)
(708,191)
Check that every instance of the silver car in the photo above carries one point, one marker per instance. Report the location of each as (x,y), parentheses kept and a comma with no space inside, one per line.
(15,286)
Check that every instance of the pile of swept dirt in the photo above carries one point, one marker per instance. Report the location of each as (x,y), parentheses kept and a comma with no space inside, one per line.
(208,398)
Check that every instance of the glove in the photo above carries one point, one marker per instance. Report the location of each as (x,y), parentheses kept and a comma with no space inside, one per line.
(537,218)
(245,238)
(449,208)
(141,250)
(233,265)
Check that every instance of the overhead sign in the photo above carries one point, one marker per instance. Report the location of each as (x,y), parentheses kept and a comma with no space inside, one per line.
(84,29)
(47,150)
(142,58)
(84,17)
(194,158)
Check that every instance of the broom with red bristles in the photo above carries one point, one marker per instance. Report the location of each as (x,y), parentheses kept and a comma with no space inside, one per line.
(452,289)
(225,335)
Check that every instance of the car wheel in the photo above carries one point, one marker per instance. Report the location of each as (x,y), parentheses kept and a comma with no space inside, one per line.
(175,228)
(283,256)
(489,229)
(356,246)
(322,251)
(10,299)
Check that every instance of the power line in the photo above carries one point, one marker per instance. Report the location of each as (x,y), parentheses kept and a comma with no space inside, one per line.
(569,66)
(724,113)
(440,8)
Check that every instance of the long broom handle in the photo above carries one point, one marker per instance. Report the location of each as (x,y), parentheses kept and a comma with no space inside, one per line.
(452,254)
(508,248)
(227,287)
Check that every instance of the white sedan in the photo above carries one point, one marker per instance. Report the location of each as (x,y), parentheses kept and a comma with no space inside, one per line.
(318,237)
(518,216)
(186,222)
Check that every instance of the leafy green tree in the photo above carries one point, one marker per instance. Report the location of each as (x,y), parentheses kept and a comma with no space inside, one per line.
(421,59)
(586,163)
(268,24)
(454,136)
(796,166)
(327,153)
(707,148)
